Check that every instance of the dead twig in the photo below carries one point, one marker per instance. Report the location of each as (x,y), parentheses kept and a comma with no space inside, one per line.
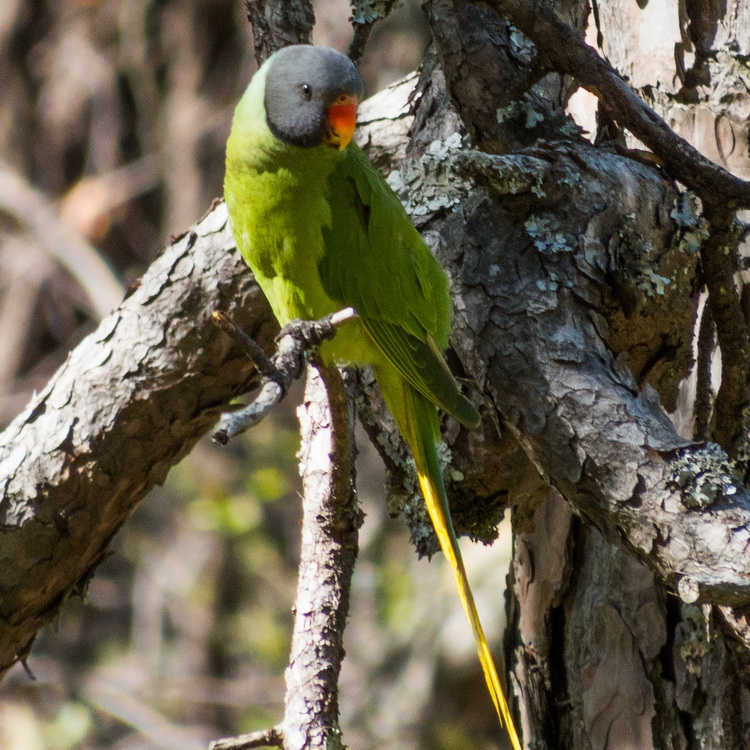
(272,737)
(279,371)
(330,526)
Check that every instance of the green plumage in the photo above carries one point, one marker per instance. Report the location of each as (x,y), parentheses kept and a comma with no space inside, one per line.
(322,231)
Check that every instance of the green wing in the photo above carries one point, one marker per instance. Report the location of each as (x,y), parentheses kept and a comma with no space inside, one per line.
(376,262)
(422,365)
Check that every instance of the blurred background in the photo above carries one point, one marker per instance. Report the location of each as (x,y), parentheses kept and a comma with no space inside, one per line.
(113,119)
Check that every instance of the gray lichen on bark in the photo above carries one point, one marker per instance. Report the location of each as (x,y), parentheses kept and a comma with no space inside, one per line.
(572,337)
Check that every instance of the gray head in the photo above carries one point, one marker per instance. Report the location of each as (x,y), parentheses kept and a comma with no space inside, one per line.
(311,96)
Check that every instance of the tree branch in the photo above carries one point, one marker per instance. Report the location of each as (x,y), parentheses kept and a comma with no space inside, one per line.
(273,737)
(566,52)
(558,385)
(331,520)
(592,433)
(135,395)
(365,14)
(720,192)
(129,402)
(287,364)
(330,526)
(278,24)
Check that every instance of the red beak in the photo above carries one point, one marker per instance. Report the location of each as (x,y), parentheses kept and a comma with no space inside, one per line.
(342,120)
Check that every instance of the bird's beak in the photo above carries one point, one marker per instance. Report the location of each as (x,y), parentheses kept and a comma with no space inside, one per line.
(342,119)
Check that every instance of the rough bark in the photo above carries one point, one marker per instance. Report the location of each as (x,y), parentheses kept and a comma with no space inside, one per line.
(331,520)
(575,275)
(720,192)
(619,272)
(276,25)
(576,281)
(330,523)
(129,402)
(604,655)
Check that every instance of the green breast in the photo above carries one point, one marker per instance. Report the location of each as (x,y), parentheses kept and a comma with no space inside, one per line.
(277,216)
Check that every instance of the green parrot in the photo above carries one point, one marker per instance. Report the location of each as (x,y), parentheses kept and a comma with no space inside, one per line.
(322,231)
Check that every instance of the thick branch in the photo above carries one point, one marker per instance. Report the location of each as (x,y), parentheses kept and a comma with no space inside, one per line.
(276,25)
(531,331)
(566,397)
(330,525)
(720,191)
(129,402)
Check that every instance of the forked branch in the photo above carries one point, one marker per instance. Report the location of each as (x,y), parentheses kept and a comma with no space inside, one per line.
(278,372)
(721,193)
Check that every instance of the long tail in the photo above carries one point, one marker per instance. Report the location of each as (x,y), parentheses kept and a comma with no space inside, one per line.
(421,429)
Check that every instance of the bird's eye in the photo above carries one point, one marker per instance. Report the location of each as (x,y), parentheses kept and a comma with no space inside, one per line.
(307,91)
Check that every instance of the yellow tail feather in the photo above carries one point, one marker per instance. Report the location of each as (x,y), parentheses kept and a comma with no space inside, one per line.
(453,553)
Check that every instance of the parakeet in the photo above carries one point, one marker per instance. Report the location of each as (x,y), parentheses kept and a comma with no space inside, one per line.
(322,230)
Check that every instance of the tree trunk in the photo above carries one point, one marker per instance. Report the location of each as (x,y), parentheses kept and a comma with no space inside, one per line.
(603,652)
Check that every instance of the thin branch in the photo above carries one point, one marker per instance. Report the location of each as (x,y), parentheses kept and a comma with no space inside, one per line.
(331,520)
(278,372)
(361,36)
(365,14)
(566,52)
(272,737)
(263,363)
(330,526)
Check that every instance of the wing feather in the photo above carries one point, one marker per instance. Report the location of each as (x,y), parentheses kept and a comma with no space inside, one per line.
(422,366)
(377,262)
